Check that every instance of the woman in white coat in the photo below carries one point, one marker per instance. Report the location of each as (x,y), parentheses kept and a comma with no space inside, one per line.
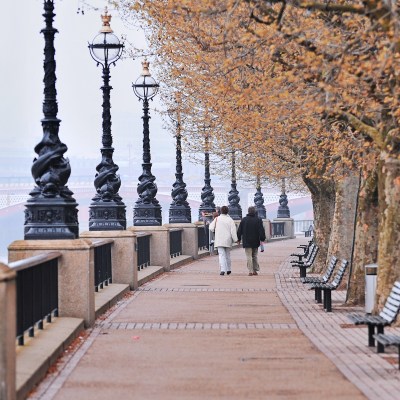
(224,229)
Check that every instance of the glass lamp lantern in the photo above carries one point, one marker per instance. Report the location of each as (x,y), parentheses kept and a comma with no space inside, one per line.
(145,86)
(106,48)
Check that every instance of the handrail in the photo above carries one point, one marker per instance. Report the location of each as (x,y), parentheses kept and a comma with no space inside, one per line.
(141,234)
(101,242)
(25,263)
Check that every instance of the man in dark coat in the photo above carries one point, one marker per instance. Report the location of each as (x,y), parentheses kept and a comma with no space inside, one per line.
(251,232)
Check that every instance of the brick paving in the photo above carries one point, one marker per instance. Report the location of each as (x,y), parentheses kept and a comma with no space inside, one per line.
(334,335)
(192,334)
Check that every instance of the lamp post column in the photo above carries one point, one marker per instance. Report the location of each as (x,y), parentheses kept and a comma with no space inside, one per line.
(283,209)
(51,211)
(107,211)
(259,200)
(179,211)
(147,209)
(235,210)
(207,206)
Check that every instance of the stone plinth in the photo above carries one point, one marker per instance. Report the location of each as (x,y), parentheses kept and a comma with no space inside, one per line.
(124,256)
(75,273)
(8,312)
(159,244)
(289,226)
(267,228)
(189,238)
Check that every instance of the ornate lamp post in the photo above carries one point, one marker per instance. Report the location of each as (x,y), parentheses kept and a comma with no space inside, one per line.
(207,206)
(179,210)
(283,209)
(235,210)
(51,211)
(107,211)
(259,200)
(147,210)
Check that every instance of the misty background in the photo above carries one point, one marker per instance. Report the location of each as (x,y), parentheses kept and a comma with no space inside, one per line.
(79,103)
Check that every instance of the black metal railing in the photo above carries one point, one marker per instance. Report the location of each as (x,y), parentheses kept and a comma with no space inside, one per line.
(278,229)
(102,264)
(175,242)
(37,292)
(203,237)
(301,226)
(143,251)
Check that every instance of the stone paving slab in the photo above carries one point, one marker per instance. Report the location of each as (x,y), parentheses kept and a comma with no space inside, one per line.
(178,338)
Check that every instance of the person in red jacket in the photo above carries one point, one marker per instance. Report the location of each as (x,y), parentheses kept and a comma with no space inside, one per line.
(251,232)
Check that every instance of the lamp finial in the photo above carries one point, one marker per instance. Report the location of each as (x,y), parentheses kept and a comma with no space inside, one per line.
(146,65)
(106,28)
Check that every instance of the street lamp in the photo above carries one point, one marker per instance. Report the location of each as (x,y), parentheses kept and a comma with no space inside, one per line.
(283,209)
(107,211)
(235,210)
(51,211)
(207,206)
(179,210)
(147,210)
(259,200)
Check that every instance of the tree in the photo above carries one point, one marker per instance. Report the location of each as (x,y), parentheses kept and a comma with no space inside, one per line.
(281,76)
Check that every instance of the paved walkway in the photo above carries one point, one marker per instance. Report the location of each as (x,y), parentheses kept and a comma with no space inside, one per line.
(193,334)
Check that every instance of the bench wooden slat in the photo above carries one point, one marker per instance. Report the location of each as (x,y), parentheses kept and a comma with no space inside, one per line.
(387,339)
(394,299)
(394,306)
(388,315)
(395,296)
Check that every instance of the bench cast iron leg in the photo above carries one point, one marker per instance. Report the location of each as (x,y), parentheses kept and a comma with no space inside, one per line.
(327,300)
(303,272)
(398,348)
(371,331)
(380,346)
(318,295)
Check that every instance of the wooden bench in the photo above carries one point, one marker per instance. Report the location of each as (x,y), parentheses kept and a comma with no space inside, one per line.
(307,263)
(309,231)
(388,340)
(385,318)
(324,278)
(327,288)
(306,250)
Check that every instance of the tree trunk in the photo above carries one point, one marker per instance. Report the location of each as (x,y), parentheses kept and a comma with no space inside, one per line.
(323,200)
(366,239)
(342,234)
(389,231)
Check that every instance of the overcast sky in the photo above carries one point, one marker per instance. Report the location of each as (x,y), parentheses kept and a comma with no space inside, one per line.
(78,84)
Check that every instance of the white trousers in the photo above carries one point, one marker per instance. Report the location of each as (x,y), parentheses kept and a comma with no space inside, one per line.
(224,254)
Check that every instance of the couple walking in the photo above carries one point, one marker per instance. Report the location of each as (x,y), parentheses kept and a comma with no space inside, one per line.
(251,230)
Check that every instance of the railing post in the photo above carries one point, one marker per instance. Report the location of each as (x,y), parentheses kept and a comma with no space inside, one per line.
(75,273)
(124,256)
(189,238)
(159,244)
(267,229)
(8,314)
(289,226)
